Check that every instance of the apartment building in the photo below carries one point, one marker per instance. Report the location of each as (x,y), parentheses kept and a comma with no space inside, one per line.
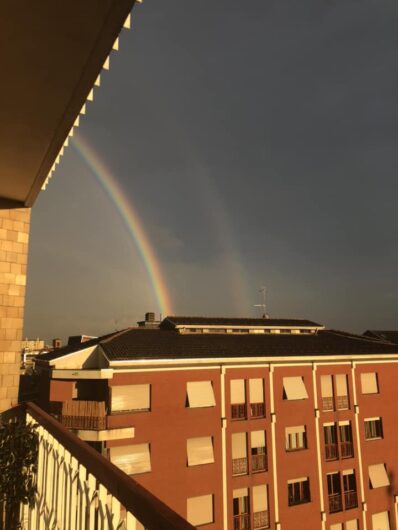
(242,424)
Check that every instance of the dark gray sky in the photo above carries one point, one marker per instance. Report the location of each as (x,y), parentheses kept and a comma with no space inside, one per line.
(258,143)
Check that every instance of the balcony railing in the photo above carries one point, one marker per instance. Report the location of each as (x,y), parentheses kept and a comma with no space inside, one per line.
(342,403)
(238,412)
(350,500)
(78,489)
(84,415)
(335,503)
(242,522)
(346,449)
(257,410)
(239,466)
(331,452)
(327,404)
(259,462)
(261,520)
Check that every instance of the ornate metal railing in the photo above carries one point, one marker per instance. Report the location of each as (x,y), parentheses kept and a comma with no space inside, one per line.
(350,500)
(346,449)
(78,489)
(259,462)
(257,410)
(342,403)
(261,520)
(335,503)
(327,404)
(238,412)
(331,452)
(239,466)
(242,522)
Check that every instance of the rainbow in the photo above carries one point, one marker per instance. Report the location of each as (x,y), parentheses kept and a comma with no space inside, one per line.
(131,220)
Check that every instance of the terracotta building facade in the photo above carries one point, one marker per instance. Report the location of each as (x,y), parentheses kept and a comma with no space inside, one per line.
(241,425)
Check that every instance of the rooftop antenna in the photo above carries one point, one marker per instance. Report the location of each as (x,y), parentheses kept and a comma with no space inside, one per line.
(263,291)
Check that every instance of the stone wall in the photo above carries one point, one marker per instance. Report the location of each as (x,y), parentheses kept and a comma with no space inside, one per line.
(14,236)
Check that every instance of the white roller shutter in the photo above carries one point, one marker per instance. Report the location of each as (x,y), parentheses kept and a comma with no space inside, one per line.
(238,493)
(326,386)
(369,383)
(130,397)
(239,445)
(200,451)
(351,525)
(200,510)
(260,498)
(257,438)
(295,480)
(256,390)
(238,391)
(295,430)
(131,459)
(378,476)
(294,388)
(337,526)
(380,521)
(200,394)
(341,385)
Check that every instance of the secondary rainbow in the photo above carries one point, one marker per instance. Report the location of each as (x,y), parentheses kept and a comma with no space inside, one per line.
(131,220)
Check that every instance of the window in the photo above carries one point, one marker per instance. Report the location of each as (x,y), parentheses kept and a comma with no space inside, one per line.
(330,436)
(294,388)
(341,386)
(327,392)
(132,459)
(373,428)
(260,507)
(256,395)
(369,383)
(348,525)
(378,476)
(200,451)
(334,492)
(350,489)
(346,445)
(200,394)
(200,510)
(258,451)
(238,399)
(296,438)
(298,491)
(135,398)
(239,454)
(381,521)
(341,392)
(241,510)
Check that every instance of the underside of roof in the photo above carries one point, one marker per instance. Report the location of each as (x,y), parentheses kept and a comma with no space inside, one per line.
(51,54)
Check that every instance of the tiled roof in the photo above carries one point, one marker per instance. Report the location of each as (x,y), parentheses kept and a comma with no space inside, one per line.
(389,336)
(163,344)
(171,321)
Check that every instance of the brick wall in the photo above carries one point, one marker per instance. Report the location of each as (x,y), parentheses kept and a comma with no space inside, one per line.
(14,235)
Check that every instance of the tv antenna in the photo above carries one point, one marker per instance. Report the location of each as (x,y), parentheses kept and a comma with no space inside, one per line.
(263,291)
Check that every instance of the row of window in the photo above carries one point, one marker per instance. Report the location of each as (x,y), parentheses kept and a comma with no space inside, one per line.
(334,392)
(250,508)
(380,521)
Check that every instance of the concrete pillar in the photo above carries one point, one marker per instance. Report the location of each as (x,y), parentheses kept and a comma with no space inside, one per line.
(14,236)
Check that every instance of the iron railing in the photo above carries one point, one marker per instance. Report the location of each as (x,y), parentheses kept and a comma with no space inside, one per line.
(346,449)
(327,404)
(242,522)
(78,489)
(335,503)
(239,466)
(350,500)
(238,411)
(342,403)
(259,462)
(261,520)
(331,452)
(257,410)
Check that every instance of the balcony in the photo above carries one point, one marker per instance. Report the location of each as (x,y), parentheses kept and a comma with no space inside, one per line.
(78,488)
(342,403)
(335,503)
(331,452)
(259,463)
(261,520)
(238,412)
(239,466)
(242,522)
(327,404)
(346,450)
(90,415)
(350,500)
(257,410)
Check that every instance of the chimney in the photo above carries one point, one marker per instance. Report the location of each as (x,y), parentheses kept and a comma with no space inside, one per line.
(57,343)
(150,321)
(150,317)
